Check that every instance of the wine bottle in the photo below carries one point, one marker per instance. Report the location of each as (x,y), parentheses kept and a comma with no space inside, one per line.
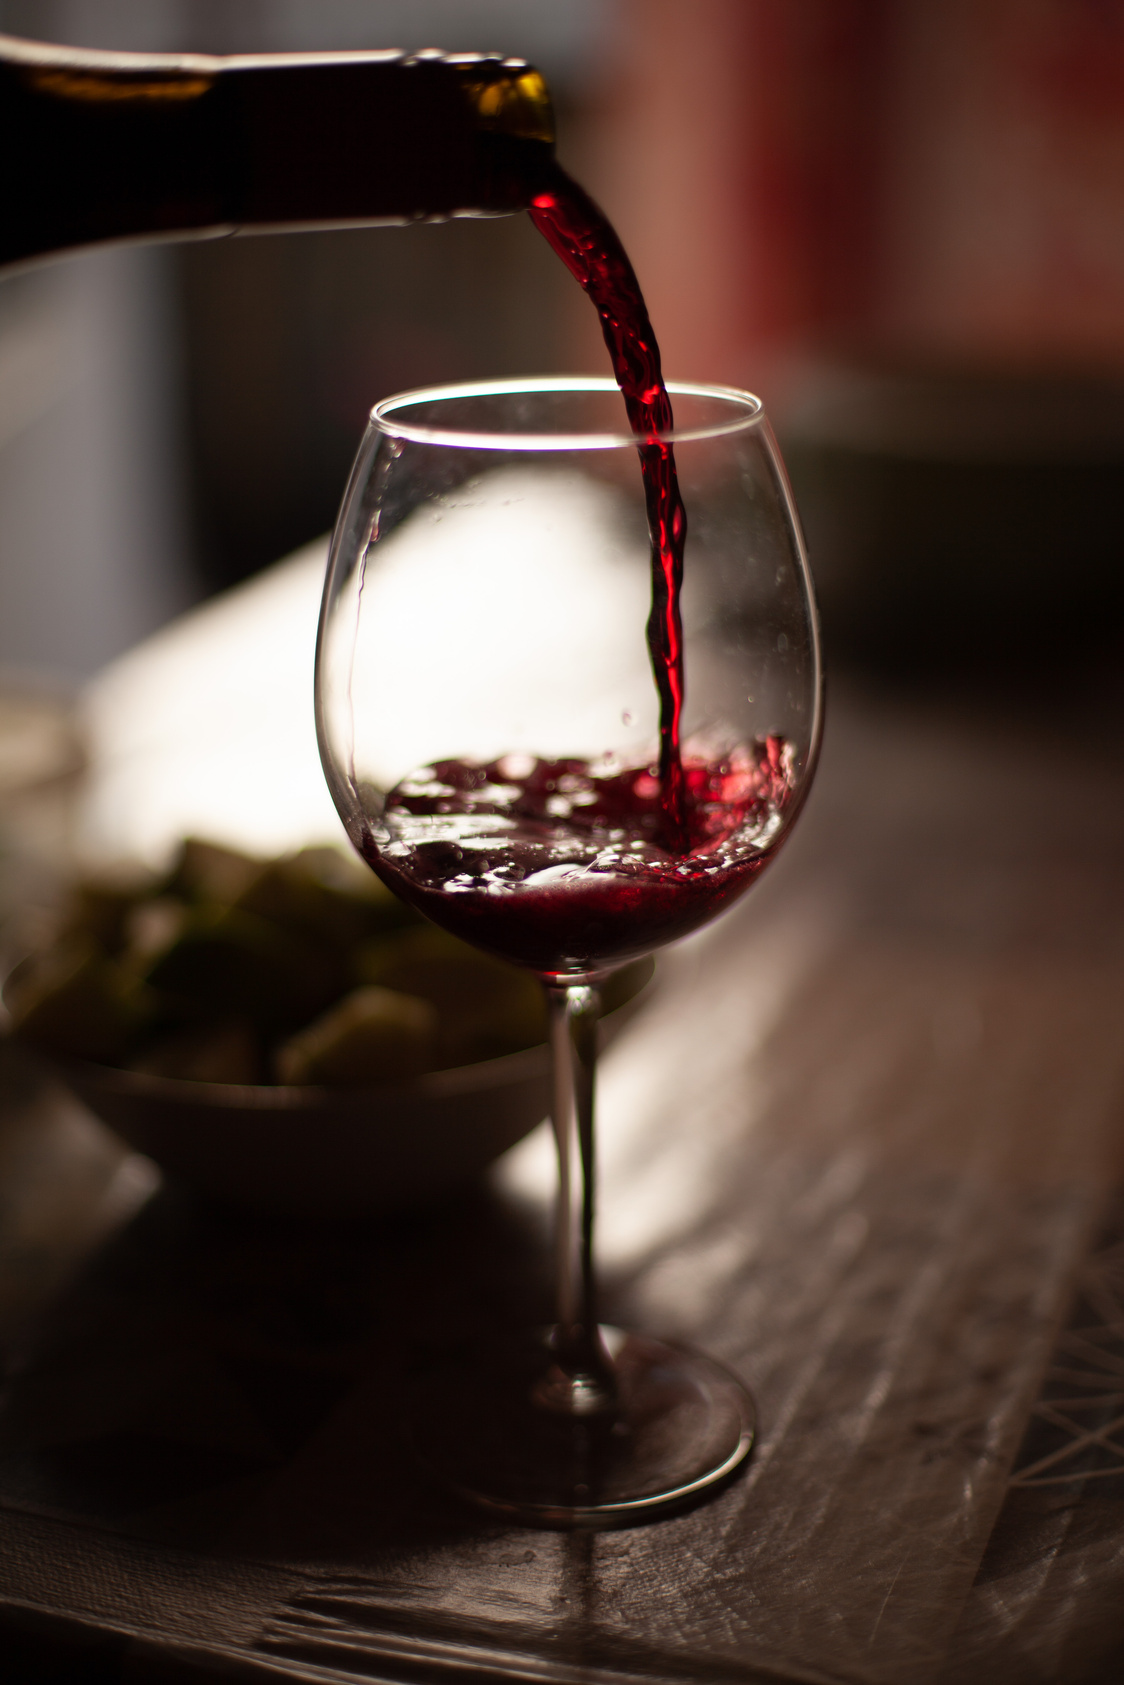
(115,146)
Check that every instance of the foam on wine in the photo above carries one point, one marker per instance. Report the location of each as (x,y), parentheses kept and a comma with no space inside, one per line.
(561,865)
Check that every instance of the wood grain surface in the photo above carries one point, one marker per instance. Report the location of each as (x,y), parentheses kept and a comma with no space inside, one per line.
(858,1146)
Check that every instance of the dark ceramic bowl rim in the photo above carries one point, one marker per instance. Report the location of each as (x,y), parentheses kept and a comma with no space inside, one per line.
(264,1097)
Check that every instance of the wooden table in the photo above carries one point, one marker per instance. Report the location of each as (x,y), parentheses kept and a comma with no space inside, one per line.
(862,1144)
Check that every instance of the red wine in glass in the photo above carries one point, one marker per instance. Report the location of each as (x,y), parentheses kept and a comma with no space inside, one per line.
(573,877)
(571,860)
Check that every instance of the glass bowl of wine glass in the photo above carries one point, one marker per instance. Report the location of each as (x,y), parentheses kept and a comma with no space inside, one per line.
(555,745)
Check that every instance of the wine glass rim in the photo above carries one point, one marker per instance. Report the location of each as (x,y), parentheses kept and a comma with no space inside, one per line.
(746,412)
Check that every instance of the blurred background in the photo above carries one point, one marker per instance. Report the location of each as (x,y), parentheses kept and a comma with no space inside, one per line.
(901,223)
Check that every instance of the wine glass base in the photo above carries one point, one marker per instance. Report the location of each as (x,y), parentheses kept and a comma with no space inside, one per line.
(681,1425)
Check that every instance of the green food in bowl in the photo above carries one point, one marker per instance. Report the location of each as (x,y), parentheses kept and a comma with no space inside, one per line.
(303,970)
(372,1035)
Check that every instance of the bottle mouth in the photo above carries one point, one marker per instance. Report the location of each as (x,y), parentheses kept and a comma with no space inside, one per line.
(509,99)
(557,412)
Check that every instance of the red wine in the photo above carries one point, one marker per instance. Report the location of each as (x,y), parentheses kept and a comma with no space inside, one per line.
(560,865)
(569,867)
(588,245)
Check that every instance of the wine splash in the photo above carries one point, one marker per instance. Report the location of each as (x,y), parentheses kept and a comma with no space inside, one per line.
(560,865)
(588,245)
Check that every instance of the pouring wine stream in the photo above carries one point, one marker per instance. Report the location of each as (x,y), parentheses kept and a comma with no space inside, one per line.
(587,243)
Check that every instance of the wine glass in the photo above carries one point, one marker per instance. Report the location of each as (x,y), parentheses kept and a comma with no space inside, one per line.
(490,732)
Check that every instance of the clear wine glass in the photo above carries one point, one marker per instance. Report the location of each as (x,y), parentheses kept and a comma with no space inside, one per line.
(489,728)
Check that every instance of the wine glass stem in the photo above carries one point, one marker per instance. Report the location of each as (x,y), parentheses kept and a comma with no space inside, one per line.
(581,1380)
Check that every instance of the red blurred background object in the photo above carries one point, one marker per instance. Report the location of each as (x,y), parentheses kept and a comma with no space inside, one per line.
(870,178)
(902,224)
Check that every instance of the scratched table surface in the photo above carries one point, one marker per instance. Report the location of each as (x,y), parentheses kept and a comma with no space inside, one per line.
(862,1144)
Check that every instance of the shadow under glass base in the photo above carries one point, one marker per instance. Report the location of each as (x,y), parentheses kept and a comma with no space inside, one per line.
(682,1423)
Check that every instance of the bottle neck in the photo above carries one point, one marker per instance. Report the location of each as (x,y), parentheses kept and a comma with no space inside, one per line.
(115,146)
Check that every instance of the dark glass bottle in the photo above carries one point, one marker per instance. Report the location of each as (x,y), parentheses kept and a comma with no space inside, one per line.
(111,146)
